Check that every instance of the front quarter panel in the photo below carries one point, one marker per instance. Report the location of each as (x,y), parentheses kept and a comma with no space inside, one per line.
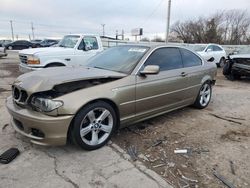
(210,72)
(121,92)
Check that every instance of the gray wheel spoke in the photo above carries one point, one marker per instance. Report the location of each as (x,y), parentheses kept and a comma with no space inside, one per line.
(94,139)
(84,131)
(205,87)
(207,92)
(201,100)
(106,128)
(91,116)
(104,115)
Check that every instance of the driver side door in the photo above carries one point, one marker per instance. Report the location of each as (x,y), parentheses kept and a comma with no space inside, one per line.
(163,91)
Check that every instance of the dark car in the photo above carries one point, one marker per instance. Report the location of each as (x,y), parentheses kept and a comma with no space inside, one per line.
(237,65)
(48,42)
(20,44)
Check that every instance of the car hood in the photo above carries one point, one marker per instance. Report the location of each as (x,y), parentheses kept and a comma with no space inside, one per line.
(44,80)
(49,51)
(240,56)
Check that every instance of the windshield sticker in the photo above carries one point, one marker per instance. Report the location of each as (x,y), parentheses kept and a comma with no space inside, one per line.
(141,50)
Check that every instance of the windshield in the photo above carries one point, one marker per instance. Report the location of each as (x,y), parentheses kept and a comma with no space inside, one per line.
(198,47)
(69,41)
(120,59)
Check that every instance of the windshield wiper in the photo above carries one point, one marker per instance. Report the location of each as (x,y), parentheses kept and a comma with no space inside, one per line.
(109,69)
(62,46)
(99,68)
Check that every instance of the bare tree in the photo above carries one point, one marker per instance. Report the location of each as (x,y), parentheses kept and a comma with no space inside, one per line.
(226,27)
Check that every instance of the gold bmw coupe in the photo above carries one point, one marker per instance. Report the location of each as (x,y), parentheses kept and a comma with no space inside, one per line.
(118,87)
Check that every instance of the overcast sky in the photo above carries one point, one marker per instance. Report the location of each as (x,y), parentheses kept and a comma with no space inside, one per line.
(58,17)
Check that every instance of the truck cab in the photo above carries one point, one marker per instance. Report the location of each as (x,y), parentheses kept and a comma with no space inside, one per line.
(72,50)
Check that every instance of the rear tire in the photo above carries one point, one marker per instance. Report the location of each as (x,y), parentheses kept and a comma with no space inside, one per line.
(204,96)
(94,125)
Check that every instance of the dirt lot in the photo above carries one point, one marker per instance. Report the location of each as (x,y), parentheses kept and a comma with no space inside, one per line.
(217,138)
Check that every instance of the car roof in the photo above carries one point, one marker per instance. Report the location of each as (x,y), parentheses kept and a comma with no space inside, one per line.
(152,46)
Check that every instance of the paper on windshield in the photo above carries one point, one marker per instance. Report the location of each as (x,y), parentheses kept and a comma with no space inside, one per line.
(140,50)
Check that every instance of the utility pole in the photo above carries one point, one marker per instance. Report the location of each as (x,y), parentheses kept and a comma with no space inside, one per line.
(103,29)
(168,20)
(32,29)
(12,33)
(122,34)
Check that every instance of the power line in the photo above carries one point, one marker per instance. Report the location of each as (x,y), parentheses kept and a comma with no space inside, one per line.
(153,12)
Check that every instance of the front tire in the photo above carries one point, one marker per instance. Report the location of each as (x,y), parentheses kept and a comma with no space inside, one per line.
(222,62)
(94,125)
(204,96)
(10,47)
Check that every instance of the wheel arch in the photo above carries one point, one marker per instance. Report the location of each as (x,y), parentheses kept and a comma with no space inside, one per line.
(207,78)
(59,64)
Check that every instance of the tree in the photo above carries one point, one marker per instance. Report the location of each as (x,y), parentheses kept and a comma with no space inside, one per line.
(225,27)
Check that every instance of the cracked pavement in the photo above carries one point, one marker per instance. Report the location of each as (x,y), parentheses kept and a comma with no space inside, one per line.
(66,166)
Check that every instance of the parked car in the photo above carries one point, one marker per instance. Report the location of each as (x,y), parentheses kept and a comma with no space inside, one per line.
(237,65)
(3,52)
(48,42)
(211,50)
(5,42)
(120,86)
(20,44)
(73,50)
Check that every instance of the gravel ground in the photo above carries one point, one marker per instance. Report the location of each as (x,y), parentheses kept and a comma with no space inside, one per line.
(217,138)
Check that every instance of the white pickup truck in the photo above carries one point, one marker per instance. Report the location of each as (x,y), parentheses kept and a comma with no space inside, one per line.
(72,50)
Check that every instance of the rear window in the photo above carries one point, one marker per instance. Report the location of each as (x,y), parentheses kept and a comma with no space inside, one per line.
(189,58)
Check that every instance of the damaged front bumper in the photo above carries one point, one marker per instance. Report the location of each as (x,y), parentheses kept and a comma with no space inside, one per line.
(39,128)
(241,69)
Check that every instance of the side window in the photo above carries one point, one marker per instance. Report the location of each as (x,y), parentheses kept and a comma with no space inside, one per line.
(91,42)
(190,59)
(166,58)
(209,48)
(81,45)
(217,48)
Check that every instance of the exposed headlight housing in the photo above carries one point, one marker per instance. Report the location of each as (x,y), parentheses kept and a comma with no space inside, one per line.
(45,105)
(33,60)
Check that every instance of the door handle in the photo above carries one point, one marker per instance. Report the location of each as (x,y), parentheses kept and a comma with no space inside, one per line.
(183,74)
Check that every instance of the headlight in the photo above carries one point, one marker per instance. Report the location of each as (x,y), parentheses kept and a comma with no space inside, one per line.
(45,105)
(33,60)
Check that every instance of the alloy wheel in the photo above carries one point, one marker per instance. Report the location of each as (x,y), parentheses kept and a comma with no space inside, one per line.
(205,94)
(96,126)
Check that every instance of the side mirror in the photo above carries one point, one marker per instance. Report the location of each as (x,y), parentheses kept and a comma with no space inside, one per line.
(150,69)
(209,50)
(211,59)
